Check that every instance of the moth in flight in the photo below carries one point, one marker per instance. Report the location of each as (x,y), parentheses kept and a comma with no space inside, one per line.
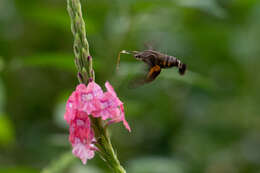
(155,61)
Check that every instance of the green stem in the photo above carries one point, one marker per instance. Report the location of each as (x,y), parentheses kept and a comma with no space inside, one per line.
(105,147)
(83,61)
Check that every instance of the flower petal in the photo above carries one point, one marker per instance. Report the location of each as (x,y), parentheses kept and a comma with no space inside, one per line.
(83,152)
(111,90)
(70,108)
(95,88)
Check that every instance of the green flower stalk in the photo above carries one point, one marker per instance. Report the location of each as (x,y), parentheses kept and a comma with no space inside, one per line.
(97,136)
(83,59)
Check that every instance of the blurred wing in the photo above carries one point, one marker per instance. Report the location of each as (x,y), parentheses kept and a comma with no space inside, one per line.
(154,71)
(150,44)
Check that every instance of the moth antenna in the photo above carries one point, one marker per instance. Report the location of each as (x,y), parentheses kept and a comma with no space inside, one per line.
(118,57)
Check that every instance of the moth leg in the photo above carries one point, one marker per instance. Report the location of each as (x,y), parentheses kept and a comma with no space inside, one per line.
(153,73)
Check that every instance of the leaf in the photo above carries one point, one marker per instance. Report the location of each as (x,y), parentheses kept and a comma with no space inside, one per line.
(7,136)
(54,17)
(209,6)
(162,165)
(2,95)
(18,169)
(59,60)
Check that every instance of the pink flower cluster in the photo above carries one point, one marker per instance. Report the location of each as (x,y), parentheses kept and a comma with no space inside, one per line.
(91,101)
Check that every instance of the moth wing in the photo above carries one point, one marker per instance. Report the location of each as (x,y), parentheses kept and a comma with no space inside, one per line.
(153,72)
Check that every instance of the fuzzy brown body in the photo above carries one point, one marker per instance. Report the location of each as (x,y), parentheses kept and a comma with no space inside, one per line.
(156,61)
(156,58)
(153,58)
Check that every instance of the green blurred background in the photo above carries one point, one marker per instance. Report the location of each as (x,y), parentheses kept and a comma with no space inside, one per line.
(206,121)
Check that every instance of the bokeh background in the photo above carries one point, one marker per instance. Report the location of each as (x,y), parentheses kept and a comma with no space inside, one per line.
(206,121)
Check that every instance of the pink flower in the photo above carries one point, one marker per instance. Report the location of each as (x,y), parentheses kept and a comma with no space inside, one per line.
(83,152)
(70,108)
(121,116)
(82,137)
(84,99)
(111,90)
(111,107)
(82,103)
(108,108)
(87,98)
